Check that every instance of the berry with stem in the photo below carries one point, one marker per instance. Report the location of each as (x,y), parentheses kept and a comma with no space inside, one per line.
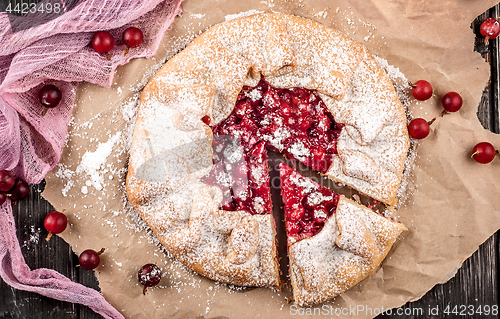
(484,153)
(49,96)
(7,180)
(132,37)
(103,42)
(55,222)
(419,128)
(489,29)
(149,276)
(452,101)
(421,90)
(89,259)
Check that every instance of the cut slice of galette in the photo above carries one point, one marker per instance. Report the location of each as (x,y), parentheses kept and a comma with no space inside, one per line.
(333,242)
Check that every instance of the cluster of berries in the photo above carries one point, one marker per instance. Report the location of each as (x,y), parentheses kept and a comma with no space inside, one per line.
(103,41)
(12,187)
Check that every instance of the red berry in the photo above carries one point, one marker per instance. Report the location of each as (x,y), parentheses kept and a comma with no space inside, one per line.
(306,202)
(292,228)
(452,101)
(242,109)
(296,214)
(7,180)
(421,90)
(419,128)
(484,153)
(132,37)
(489,29)
(309,227)
(20,190)
(3,197)
(90,259)
(304,122)
(49,96)
(103,42)
(149,276)
(206,119)
(55,222)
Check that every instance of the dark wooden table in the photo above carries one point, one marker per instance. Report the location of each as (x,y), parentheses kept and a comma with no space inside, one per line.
(476,284)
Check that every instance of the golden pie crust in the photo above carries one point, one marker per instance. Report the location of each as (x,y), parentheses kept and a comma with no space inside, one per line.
(171,151)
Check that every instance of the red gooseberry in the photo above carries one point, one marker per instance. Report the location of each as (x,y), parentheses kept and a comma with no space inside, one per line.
(55,222)
(489,29)
(419,128)
(484,153)
(421,90)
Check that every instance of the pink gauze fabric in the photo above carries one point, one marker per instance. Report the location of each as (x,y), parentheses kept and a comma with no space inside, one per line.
(58,52)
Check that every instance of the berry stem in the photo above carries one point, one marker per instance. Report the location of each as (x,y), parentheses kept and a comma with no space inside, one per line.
(101,251)
(107,56)
(440,115)
(487,40)
(144,290)
(125,52)
(13,202)
(49,236)
(477,152)
(45,109)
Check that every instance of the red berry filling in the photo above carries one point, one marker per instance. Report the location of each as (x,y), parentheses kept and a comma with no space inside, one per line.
(307,204)
(293,121)
(240,170)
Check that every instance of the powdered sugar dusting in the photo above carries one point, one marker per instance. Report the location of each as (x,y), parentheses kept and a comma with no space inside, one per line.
(93,162)
(349,247)
(299,151)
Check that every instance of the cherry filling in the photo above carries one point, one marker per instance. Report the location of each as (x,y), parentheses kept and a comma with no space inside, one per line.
(293,121)
(307,204)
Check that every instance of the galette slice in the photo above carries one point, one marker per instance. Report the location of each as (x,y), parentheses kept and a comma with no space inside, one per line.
(333,242)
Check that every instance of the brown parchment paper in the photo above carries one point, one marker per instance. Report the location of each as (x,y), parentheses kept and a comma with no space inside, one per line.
(450,207)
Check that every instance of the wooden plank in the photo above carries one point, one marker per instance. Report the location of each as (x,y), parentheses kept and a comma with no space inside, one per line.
(474,287)
(495,76)
(55,254)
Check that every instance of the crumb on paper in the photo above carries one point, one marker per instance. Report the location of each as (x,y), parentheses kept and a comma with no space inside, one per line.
(323,14)
(197,15)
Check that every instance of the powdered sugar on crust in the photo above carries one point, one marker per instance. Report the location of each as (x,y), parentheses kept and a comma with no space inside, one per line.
(373,146)
(351,245)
